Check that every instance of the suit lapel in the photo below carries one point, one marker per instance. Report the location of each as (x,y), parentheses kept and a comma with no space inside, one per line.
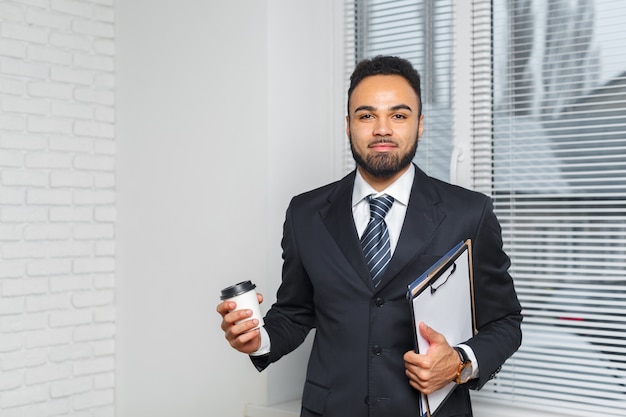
(337,217)
(420,224)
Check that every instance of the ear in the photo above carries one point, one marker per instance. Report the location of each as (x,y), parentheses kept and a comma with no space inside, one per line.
(420,129)
(348,125)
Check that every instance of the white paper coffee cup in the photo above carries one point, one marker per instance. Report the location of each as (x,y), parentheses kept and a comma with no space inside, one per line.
(245,296)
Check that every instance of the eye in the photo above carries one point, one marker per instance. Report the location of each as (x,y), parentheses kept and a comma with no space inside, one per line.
(365,116)
(399,116)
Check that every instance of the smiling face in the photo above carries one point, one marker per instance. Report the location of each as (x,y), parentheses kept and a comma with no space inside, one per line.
(384,125)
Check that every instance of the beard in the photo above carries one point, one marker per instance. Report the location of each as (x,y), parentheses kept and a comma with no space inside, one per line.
(384,165)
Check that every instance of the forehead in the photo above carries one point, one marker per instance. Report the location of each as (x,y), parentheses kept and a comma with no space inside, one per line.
(379,90)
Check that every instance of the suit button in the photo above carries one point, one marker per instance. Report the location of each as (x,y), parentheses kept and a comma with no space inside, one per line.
(377,350)
(379,302)
(367,399)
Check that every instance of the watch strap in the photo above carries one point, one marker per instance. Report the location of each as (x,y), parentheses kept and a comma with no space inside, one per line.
(464,363)
(462,354)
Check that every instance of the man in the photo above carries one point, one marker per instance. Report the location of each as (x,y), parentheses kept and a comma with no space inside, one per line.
(362,361)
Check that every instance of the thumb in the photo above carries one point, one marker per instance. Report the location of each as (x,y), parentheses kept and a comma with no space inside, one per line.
(430,334)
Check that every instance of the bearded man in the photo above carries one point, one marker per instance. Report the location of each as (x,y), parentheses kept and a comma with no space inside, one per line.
(351,248)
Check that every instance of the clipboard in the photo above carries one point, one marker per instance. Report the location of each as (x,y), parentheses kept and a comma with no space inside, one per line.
(443,298)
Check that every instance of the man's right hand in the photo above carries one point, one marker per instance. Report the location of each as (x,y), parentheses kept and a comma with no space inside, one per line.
(239,335)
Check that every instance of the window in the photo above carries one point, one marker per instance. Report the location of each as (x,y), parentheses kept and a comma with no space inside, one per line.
(558,180)
(548,144)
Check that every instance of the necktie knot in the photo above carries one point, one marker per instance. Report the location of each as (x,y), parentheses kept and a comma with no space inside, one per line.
(375,239)
(379,206)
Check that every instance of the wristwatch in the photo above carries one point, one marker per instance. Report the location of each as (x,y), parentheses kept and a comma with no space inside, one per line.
(464,373)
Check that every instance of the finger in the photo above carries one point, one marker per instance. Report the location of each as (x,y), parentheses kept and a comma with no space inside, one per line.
(259,296)
(243,338)
(410,357)
(237,330)
(430,334)
(415,361)
(419,381)
(234,318)
(247,337)
(225,306)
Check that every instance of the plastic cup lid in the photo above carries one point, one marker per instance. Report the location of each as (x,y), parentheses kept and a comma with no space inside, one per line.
(237,289)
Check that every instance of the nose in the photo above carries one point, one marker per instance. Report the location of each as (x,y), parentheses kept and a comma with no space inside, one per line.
(382,128)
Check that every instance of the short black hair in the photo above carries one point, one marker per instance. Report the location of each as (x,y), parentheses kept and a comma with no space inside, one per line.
(386,65)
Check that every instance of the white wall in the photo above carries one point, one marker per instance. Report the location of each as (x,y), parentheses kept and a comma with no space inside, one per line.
(57,208)
(304,125)
(224,112)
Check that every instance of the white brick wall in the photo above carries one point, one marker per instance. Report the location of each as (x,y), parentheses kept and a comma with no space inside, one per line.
(57,208)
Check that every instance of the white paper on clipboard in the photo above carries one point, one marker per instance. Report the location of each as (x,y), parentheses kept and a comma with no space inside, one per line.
(443,298)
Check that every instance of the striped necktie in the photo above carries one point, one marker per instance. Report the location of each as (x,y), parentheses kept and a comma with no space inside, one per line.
(375,239)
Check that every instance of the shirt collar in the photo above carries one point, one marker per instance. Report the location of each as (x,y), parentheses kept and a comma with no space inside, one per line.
(400,189)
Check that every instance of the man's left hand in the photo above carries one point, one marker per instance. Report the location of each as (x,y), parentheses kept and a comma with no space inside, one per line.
(436,368)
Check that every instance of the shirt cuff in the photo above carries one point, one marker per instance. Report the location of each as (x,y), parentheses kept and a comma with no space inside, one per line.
(264,349)
(470,354)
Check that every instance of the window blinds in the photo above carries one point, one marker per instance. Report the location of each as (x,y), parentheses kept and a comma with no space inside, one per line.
(555,165)
(421,32)
(549,145)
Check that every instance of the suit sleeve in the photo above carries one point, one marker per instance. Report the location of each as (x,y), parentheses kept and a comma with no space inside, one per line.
(291,318)
(498,311)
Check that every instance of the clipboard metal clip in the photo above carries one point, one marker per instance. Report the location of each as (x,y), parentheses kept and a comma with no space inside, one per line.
(434,289)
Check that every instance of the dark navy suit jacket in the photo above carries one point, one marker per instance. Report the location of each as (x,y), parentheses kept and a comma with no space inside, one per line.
(356,367)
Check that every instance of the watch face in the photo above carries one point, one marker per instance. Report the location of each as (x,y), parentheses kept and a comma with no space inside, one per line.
(466,373)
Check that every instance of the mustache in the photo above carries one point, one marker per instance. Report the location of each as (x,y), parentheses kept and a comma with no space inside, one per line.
(379,140)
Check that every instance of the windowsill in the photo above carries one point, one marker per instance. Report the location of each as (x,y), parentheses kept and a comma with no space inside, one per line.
(484,408)
(288,409)
(481,409)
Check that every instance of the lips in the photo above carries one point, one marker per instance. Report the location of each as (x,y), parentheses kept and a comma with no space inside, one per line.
(382,146)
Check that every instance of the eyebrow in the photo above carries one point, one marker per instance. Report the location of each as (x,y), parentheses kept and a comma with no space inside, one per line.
(393,108)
